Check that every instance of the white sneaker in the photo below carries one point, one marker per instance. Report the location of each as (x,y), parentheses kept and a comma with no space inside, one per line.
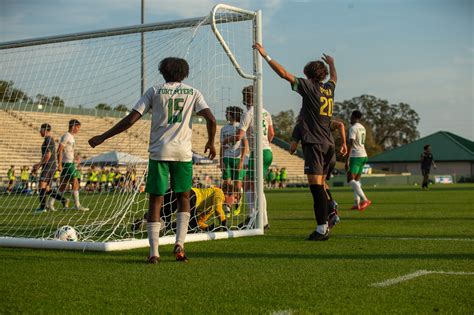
(81,208)
(50,205)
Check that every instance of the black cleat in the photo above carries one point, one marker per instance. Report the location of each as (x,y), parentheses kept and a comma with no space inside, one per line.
(315,236)
(153,260)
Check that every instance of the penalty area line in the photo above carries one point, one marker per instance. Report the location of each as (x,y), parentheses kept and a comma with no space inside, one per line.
(406,238)
(417,274)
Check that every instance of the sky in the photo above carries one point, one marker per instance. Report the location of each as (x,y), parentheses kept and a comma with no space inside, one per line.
(419,52)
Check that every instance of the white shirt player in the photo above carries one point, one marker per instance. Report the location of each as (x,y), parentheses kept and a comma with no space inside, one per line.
(231,150)
(357,133)
(171,105)
(246,124)
(69,142)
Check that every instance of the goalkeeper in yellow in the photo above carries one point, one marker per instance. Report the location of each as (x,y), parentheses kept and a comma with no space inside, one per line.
(207,205)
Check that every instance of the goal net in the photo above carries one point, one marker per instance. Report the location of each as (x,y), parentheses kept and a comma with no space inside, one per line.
(96,78)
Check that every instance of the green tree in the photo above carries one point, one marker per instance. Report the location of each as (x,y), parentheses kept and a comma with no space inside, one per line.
(10,94)
(103,106)
(56,101)
(388,125)
(121,108)
(283,123)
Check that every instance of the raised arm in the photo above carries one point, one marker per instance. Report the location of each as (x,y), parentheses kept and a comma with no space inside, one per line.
(332,68)
(119,127)
(279,69)
(211,131)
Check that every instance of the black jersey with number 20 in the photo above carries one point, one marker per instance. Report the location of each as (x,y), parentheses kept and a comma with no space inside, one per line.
(316,111)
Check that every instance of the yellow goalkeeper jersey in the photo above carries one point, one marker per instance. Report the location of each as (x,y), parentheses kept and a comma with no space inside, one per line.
(209,201)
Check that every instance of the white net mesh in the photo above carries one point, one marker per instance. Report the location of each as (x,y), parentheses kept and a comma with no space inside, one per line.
(96,81)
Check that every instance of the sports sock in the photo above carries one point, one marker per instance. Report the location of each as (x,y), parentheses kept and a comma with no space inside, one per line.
(182,222)
(42,198)
(357,189)
(250,202)
(75,194)
(153,229)
(320,203)
(56,195)
(322,229)
(356,198)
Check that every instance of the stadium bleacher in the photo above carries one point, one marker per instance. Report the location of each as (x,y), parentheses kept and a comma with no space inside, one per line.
(21,142)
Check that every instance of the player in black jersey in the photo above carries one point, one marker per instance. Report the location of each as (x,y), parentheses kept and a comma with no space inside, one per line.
(317,140)
(427,161)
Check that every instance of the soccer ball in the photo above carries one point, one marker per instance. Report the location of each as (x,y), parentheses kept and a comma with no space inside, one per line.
(66,233)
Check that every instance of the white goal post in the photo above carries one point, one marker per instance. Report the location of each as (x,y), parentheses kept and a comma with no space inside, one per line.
(95,77)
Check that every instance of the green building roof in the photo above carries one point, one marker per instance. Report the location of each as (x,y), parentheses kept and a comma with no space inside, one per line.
(445,146)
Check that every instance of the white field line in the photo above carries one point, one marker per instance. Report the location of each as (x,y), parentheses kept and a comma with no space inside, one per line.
(407,238)
(416,274)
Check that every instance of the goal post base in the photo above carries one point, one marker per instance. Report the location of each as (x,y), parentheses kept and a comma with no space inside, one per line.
(119,245)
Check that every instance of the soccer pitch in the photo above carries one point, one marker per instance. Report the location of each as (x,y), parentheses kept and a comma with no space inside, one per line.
(411,251)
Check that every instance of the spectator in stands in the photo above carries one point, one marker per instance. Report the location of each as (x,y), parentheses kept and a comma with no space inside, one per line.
(283,177)
(24,176)
(11,179)
(110,179)
(93,178)
(103,178)
(427,161)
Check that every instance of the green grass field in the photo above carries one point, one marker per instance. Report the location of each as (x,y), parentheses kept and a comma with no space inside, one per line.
(404,231)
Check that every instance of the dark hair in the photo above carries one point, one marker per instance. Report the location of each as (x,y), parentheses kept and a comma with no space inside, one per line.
(46,127)
(316,70)
(357,114)
(235,112)
(74,122)
(174,69)
(426,147)
(227,188)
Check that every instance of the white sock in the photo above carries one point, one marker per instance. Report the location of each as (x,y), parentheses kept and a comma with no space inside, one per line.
(182,223)
(321,229)
(360,192)
(356,199)
(250,202)
(75,194)
(50,202)
(153,237)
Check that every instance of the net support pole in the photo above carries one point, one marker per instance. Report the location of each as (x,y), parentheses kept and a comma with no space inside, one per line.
(257,120)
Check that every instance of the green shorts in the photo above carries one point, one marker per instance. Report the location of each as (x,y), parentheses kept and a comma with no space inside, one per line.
(231,171)
(356,164)
(69,172)
(180,173)
(267,161)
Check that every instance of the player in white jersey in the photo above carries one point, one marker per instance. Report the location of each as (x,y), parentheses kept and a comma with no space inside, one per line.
(67,166)
(246,128)
(232,156)
(356,160)
(171,105)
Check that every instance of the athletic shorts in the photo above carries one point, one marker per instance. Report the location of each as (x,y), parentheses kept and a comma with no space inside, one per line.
(318,158)
(425,171)
(47,174)
(356,164)
(231,169)
(332,166)
(267,161)
(180,174)
(69,172)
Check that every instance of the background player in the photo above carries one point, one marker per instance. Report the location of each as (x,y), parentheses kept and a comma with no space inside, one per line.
(67,165)
(232,156)
(356,160)
(427,161)
(172,105)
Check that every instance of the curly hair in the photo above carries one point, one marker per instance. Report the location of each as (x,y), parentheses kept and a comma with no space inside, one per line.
(174,69)
(316,70)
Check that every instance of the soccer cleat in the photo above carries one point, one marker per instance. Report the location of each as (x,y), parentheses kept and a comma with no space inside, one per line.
(364,204)
(40,210)
(178,251)
(81,208)
(315,236)
(50,205)
(355,207)
(333,220)
(66,203)
(153,260)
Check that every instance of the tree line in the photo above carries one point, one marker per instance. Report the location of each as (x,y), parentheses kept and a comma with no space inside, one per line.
(387,125)
(11,94)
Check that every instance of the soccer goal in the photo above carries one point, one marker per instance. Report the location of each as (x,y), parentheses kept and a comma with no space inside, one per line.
(97,77)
